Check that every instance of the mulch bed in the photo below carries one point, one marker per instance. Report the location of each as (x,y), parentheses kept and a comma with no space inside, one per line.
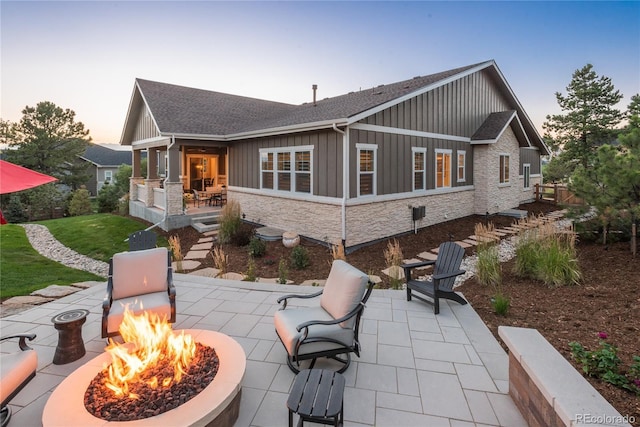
(608,299)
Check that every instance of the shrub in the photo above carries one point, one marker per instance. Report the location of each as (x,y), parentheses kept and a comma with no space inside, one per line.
(547,255)
(488,268)
(300,258)
(604,363)
(250,275)
(242,235)
(229,221)
(15,210)
(337,252)
(500,304)
(220,259)
(176,251)
(393,258)
(257,247)
(80,203)
(109,198)
(283,271)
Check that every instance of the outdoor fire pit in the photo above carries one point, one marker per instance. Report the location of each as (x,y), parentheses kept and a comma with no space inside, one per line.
(217,404)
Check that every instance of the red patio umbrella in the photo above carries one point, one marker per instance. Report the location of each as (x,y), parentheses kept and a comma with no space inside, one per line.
(16,178)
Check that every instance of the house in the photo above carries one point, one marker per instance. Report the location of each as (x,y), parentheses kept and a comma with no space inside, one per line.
(353,168)
(103,165)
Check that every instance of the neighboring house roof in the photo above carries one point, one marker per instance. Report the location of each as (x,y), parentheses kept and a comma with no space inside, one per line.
(187,112)
(102,156)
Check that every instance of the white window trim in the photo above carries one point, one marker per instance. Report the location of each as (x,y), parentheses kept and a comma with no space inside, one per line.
(292,152)
(526,166)
(462,153)
(450,153)
(415,150)
(508,176)
(374,148)
(108,176)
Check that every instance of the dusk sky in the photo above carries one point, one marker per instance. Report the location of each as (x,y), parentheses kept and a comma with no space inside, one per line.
(85,55)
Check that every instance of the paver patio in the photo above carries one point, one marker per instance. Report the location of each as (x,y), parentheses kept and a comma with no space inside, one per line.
(415,369)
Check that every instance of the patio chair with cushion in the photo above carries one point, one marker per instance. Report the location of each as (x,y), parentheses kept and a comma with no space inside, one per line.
(143,282)
(17,368)
(446,268)
(328,329)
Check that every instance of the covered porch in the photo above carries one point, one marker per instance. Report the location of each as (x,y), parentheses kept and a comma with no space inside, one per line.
(176,170)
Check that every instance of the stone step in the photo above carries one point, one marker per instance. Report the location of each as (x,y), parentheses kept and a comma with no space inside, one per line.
(204,224)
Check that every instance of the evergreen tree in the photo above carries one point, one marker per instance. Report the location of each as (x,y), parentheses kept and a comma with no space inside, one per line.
(48,139)
(589,117)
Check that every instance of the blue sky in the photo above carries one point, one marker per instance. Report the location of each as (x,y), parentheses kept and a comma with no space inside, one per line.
(85,55)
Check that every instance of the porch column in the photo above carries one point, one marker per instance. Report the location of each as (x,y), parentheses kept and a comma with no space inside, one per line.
(173,186)
(150,184)
(135,169)
(152,163)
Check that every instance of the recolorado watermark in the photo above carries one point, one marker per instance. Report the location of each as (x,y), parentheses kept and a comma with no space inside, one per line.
(605,419)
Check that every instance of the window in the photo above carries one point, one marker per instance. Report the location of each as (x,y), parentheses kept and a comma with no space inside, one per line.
(108,176)
(462,160)
(286,169)
(443,168)
(504,168)
(366,169)
(526,171)
(303,171)
(419,168)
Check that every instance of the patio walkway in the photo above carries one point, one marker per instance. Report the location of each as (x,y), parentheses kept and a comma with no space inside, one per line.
(416,369)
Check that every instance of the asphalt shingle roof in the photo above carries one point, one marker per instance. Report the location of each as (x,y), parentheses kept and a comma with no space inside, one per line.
(184,110)
(104,156)
(493,126)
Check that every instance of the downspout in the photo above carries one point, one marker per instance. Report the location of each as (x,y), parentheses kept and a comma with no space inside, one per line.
(166,196)
(345,182)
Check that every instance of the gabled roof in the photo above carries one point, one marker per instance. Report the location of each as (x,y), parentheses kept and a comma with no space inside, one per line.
(187,112)
(103,156)
(494,126)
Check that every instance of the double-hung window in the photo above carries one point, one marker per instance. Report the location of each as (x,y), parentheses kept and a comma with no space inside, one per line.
(108,176)
(366,169)
(504,168)
(462,160)
(419,168)
(443,168)
(286,169)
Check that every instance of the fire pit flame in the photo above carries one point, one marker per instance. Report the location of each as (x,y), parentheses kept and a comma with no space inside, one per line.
(149,341)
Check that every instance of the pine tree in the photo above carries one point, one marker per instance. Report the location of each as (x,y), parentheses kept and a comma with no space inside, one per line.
(589,117)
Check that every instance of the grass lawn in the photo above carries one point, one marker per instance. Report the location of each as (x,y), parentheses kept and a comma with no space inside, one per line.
(97,236)
(23,270)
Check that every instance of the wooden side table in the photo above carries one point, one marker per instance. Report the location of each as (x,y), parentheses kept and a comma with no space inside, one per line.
(317,396)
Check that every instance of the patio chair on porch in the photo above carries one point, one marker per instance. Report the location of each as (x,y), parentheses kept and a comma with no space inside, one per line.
(17,368)
(197,198)
(330,328)
(446,268)
(141,281)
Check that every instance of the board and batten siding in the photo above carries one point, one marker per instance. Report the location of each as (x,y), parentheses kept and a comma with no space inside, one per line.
(458,108)
(145,127)
(531,156)
(394,166)
(244,160)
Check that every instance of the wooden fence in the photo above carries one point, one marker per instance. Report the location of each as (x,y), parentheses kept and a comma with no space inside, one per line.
(557,194)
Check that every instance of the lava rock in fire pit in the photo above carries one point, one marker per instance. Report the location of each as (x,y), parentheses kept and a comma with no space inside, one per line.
(101,402)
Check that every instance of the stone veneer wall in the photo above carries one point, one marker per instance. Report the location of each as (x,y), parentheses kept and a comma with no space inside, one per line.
(365,222)
(373,221)
(491,196)
(320,221)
